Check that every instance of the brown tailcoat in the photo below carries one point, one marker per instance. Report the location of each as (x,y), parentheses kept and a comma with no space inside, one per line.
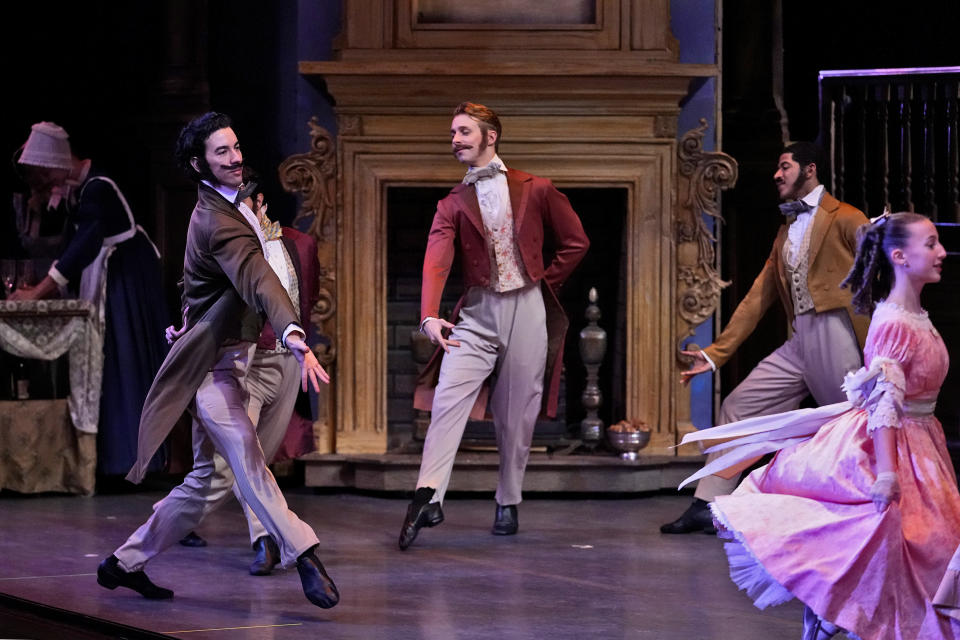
(228,285)
(833,245)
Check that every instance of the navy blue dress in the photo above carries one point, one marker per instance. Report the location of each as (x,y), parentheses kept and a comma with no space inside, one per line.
(134,344)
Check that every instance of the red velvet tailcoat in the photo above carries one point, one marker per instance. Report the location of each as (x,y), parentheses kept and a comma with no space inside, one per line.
(458,226)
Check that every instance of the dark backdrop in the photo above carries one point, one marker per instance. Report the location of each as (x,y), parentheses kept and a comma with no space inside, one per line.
(816,35)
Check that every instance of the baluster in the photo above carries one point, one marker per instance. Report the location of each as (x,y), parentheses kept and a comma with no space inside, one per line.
(883,115)
(904,97)
(927,142)
(865,158)
(839,143)
(950,126)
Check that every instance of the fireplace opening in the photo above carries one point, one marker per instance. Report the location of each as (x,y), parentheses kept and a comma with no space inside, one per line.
(602,212)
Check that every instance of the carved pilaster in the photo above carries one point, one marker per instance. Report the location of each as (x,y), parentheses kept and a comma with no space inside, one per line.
(313,175)
(701,177)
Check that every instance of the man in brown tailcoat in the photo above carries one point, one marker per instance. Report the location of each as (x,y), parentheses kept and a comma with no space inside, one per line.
(811,255)
(508,322)
(228,284)
(272,380)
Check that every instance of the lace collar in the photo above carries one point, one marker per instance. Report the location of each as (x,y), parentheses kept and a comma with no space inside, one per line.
(887,311)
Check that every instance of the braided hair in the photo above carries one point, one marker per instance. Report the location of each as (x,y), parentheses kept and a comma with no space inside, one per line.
(871,277)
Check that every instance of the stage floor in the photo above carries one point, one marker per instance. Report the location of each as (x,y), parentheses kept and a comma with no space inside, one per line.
(578,568)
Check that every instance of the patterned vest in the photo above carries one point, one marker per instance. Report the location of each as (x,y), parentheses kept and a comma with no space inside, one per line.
(797,274)
(506,264)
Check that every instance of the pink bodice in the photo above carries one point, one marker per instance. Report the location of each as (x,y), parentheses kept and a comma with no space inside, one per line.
(911,340)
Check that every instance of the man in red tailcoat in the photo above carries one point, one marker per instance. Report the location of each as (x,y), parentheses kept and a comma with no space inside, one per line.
(508,323)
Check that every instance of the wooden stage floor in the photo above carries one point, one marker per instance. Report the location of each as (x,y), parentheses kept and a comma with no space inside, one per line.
(579,568)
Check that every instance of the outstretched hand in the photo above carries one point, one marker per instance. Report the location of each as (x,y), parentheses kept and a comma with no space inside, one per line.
(310,369)
(433,329)
(700,365)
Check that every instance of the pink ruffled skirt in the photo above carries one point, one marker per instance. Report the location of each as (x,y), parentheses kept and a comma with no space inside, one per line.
(805,526)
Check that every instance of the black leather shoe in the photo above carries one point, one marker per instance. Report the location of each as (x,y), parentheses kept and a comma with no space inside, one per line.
(317,585)
(816,628)
(268,556)
(506,522)
(193,540)
(111,576)
(697,517)
(420,513)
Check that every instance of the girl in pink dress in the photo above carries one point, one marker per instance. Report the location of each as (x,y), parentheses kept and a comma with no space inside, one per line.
(858,512)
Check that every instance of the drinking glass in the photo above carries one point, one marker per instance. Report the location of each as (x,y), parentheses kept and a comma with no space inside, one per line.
(26,274)
(8,273)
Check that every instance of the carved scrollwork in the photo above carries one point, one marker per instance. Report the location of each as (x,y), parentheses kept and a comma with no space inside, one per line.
(325,307)
(323,311)
(699,298)
(703,175)
(313,175)
(709,172)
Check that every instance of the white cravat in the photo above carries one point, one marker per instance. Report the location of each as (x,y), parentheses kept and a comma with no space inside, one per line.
(493,196)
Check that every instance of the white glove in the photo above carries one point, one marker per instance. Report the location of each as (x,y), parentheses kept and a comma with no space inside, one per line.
(885,490)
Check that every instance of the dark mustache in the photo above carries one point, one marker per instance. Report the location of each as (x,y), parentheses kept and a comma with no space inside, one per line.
(232,167)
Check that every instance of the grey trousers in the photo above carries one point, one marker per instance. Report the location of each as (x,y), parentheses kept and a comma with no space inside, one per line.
(223,427)
(501,333)
(813,361)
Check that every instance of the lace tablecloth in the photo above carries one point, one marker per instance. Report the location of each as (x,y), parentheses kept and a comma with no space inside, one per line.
(45,330)
(50,445)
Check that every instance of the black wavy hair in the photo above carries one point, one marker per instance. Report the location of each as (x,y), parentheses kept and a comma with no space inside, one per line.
(191,143)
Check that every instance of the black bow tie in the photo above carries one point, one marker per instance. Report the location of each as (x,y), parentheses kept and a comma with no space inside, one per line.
(795,208)
(245,190)
(488,171)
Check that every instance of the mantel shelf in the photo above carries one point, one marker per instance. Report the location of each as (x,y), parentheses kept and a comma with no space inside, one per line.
(596,64)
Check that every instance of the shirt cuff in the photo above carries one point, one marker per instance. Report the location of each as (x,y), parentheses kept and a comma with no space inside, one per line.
(293,326)
(712,364)
(424,321)
(57,276)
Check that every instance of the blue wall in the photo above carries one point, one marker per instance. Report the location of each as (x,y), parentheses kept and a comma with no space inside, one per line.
(310,28)
(693,24)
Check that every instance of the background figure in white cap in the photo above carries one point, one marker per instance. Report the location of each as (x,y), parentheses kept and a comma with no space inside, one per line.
(102,255)
(40,216)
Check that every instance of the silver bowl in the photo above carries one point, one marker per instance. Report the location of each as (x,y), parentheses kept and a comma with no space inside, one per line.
(628,442)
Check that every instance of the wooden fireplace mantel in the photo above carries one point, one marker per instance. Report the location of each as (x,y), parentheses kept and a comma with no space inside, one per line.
(596,109)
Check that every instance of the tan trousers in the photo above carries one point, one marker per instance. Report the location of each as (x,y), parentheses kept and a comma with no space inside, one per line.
(223,427)
(272,382)
(504,334)
(813,361)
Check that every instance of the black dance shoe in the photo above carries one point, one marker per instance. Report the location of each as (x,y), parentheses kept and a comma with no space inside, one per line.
(267,557)
(816,628)
(193,540)
(420,513)
(317,585)
(111,576)
(506,522)
(697,517)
